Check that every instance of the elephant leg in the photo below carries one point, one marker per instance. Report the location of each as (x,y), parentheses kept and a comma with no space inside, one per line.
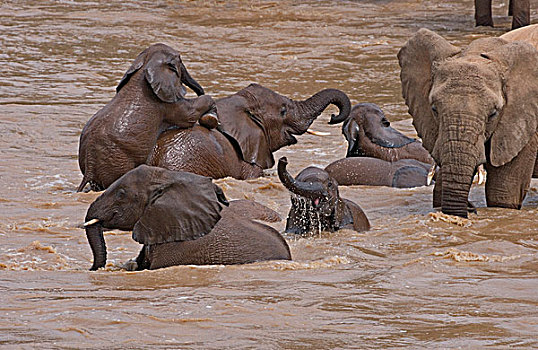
(521,12)
(535,172)
(482,14)
(140,263)
(507,185)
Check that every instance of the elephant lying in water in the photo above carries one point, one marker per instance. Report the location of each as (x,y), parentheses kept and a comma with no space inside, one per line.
(369,134)
(179,218)
(316,204)
(255,122)
(149,98)
(379,155)
(473,106)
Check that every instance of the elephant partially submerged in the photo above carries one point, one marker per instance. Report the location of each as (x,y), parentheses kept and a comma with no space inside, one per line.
(316,204)
(180,219)
(255,122)
(150,97)
(472,106)
(369,134)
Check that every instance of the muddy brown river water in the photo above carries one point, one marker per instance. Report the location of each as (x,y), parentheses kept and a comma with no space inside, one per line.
(413,280)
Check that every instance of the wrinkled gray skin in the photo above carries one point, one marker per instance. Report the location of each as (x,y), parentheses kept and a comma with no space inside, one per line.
(255,122)
(519,9)
(179,219)
(403,173)
(316,204)
(149,98)
(369,134)
(472,106)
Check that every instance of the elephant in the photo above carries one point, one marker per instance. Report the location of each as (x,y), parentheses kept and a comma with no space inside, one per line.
(369,134)
(149,97)
(528,34)
(403,173)
(180,218)
(519,10)
(472,106)
(316,204)
(254,123)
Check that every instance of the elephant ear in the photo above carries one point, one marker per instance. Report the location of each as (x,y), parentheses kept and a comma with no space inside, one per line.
(351,129)
(518,121)
(163,75)
(182,209)
(416,59)
(239,120)
(137,64)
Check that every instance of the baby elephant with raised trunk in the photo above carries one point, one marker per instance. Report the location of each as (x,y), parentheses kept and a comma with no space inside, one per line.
(149,98)
(316,204)
(180,220)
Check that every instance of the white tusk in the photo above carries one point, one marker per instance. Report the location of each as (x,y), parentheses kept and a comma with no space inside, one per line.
(91,222)
(431,174)
(318,133)
(481,174)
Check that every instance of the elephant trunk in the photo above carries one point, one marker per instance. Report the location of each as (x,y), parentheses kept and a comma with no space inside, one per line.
(94,233)
(190,82)
(311,190)
(459,159)
(312,107)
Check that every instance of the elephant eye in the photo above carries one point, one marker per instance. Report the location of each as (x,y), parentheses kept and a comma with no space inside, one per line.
(385,122)
(172,67)
(283,111)
(121,194)
(434,110)
(493,114)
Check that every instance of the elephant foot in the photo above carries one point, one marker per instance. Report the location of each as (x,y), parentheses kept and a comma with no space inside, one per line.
(130,265)
(209,120)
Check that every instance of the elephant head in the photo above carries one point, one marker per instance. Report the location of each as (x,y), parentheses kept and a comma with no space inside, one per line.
(316,202)
(469,106)
(158,205)
(165,73)
(367,129)
(262,121)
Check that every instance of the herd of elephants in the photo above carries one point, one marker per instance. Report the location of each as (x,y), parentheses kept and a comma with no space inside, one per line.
(155,152)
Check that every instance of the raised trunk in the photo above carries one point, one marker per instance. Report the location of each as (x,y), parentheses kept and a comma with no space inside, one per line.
(311,108)
(311,190)
(94,233)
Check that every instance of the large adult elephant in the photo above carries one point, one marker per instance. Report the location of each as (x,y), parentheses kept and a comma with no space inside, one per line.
(519,10)
(180,218)
(149,98)
(255,122)
(472,106)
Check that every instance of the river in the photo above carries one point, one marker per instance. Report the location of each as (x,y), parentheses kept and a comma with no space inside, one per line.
(413,280)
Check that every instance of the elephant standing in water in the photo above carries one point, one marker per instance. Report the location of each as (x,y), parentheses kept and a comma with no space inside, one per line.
(473,106)
(255,122)
(179,218)
(316,204)
(520,10)
(149,98)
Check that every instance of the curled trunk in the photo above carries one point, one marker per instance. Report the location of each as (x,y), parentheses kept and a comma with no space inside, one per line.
(311,190)
(94,233)
(190,82)
(312,107)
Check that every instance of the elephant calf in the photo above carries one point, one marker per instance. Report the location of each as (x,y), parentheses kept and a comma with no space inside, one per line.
(179,218)
(369,134)
(316,204)
(149,98)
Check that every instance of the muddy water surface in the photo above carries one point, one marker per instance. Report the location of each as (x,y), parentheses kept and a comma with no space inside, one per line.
(413,280)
